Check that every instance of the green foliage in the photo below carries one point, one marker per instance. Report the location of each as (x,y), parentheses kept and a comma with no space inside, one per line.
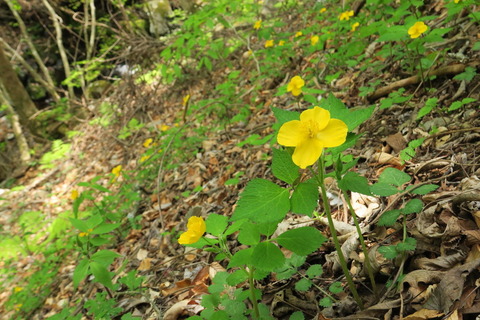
(59,151)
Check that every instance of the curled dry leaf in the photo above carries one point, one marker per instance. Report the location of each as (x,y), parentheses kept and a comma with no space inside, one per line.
(364,205)
(420,283)
(176,310)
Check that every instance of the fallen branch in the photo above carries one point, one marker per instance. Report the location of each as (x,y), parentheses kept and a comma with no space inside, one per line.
(442,71)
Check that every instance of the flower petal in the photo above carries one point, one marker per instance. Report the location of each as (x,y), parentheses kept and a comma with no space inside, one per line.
(197,225)
(292,133)
(307,153)
(317,115)
(188,237)
(334,134)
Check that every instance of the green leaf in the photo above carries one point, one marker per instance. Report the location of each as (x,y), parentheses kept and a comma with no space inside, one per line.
(476,46)
(105,257)
(216,224)
(283,167)
(392,33)
(285,115)
(249,234)
(389,252)
(383,189)
(304,198)
(262,201)
(352,118)
(81,272)
(389,218)
(408,245)
(302,241)
(352,181)
(326,302)
(237,277)
(267,256)
(427,108)
(394,176)
(422,190)
(303,284)
(413,206)
(297,315)
(105,228)
(79,224)
(241,258)
(466,75)
(314,270)
(219,282)
(101,274)
(335,287)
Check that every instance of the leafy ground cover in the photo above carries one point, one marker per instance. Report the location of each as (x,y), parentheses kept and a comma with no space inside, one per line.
(92,230)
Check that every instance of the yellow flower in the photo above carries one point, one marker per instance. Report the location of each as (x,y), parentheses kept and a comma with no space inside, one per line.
(323,10)
(144,158)
(147,142)
(84,234)
(269,43)
(346,15)
(314,131)
(185,100)
(281,43)
(74,194)
(314,40)
(17,289)
(18,306)
(417,29)
(355,26)
(298,34)
(456,1)
(164,127)
(257,25)
(195,229)
(116,171)
(295,85)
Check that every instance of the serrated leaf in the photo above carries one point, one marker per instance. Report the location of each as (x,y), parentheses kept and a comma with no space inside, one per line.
(241,258)
(304,198)
(335,287)
(326,302)
(413,206)
(389,218)
(408,245)
(297,315)
(394,176)
(262,201)
(216,224)
(303,284)
(392,33)
(383,189)
(389,252)
(283,167)
(101,274)
(105,257)
(81,272)
(302,241)
(422,190)
(314,270)
(267,256)
(249,234)
(352,118)
(237,277)
(283,116)
(427,108)
(352,181)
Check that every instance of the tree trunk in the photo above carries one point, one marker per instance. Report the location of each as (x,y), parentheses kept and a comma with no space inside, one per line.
(17,95)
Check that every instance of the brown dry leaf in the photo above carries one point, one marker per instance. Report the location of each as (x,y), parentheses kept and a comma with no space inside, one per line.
(179,286)
(419,281)
(424,314)
(386,158)
(396,141)
(450,287)
(145,265)
(176,310)
(440,263)
(474,253)
(142,254)
(454,316)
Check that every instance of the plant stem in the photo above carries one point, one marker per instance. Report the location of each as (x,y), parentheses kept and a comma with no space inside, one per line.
(251,285)
(333,231)
(368,266)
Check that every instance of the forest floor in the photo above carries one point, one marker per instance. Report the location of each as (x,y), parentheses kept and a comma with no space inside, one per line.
(443,271)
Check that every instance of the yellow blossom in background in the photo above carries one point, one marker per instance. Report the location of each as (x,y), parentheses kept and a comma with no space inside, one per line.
(355,26)
(323,10)
(298,34)
(147,142)
(74,194)
(269,43)
(18,306)
(281,43)
(417,29)
(144,158)
(257,25)
(456,1)
(17,289)
(295,85)
(185,100)
(311,134)
(164,127)
(116,171)
(346,15)
(314,40)
(195,229)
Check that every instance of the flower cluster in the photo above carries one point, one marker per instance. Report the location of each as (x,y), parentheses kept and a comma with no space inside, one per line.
(355,26)
(295,85)
(346,15)
(314,40)
(195,229)
(116,171)
(269,43)
(257,25)
(417,29)
(314,131)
